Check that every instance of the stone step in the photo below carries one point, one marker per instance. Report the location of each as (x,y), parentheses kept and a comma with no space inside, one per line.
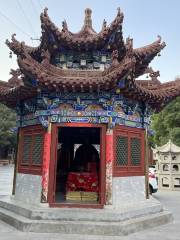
(76,214)
(85,227)
(16,207)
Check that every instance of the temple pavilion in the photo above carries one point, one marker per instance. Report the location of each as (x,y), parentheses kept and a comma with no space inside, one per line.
(82,115)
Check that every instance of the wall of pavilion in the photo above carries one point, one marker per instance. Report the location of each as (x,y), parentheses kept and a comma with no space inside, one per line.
(121,123)
(81,115)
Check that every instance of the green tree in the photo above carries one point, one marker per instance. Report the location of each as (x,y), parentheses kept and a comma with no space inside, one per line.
(7,136)
(166,124)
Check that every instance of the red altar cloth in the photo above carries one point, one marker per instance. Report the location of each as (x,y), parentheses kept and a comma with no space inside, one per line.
(84,181)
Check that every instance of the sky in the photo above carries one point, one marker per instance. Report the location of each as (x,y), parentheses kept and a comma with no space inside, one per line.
(143,21)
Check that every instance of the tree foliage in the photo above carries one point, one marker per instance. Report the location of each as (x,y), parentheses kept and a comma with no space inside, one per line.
(7,122)
(166,124)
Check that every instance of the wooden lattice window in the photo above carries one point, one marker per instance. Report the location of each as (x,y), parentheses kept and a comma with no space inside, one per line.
(121,150)
(31,141)
(135,146)
(37,149)
(26,148)
(128,151)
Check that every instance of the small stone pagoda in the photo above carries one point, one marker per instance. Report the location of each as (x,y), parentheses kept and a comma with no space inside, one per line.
(81,114)
(167,159)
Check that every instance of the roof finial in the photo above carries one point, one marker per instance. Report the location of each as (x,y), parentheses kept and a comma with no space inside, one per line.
(104,25)
(13,37)
(119,11)
(64,26)
(88,20)
(45,11)
(159,38)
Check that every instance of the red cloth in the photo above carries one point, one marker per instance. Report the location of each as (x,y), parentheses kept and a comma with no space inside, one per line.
(84,181)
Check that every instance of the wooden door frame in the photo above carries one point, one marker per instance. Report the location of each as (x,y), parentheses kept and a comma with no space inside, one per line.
(53,166)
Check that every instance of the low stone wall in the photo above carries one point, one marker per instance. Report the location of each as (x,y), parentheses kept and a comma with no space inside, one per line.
(28,188)
(127,190)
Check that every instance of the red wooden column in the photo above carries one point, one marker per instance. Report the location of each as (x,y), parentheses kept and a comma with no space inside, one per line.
(109,165)
(46,163)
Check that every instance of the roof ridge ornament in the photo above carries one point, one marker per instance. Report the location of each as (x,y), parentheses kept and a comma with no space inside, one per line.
(19,46)
(13,40)
(16,80)
(129,46)
(45,56)
(151,72)
(163,44)
(115,56)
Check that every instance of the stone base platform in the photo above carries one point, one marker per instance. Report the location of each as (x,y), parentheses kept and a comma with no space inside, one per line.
(108,221)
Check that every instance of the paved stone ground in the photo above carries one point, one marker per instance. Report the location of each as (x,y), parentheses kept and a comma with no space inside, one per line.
(171,200)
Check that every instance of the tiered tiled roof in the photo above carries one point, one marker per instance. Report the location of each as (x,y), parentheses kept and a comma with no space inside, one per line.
(38,72)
